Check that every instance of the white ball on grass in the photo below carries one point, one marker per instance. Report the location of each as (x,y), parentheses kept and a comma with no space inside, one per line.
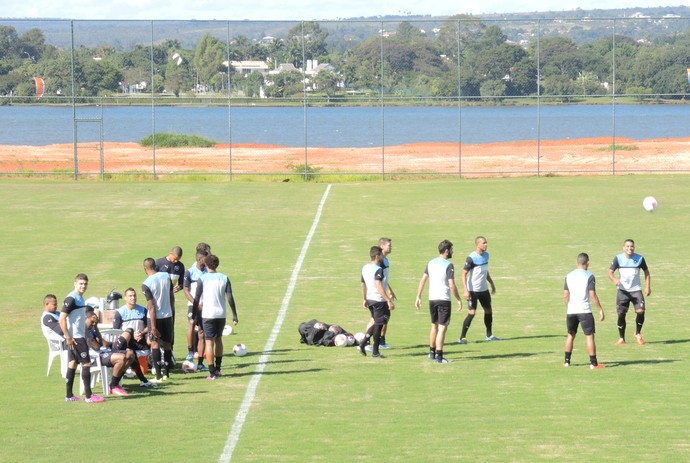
(649,203)
(239,349)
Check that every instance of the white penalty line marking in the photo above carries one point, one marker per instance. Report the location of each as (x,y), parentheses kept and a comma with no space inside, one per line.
(242,413)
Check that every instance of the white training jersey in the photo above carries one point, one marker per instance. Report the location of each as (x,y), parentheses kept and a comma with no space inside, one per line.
(579,283)
(440,271)
(629,271)
(214,287)
(477,267)
(157,287)
(371,273)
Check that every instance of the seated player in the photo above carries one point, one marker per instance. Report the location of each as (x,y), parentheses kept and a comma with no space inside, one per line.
(132,316)
(114,354)
(50,318)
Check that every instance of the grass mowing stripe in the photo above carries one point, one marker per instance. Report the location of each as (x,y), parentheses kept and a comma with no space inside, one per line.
(241,416)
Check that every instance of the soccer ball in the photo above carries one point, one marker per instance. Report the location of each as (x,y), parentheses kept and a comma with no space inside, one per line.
(188,366)
(129,373)
(350,339)
(359,337)
(227,330)
(239,349)
(340,340)
(649,203)
(335,329)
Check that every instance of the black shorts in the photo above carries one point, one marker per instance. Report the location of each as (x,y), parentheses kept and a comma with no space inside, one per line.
(166,329)
(440,312)
(624,298)
(586,320)
(80,353)
(484,298)
(213,327)
(379,312)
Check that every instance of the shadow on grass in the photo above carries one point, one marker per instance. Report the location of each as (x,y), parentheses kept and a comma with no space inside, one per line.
(505,356)
(670,341)
(624,363)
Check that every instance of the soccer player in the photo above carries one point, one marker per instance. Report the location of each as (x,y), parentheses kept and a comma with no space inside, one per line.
(50,319)
(386,246)
(191,277)
(376,299)
(441,275)
(579,292)
(212,289)
(475,276)
(160,304)
(629,264)
(173,266)
(73,324)
(119,361)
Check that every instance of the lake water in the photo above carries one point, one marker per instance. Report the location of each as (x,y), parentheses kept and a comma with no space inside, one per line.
(346,126)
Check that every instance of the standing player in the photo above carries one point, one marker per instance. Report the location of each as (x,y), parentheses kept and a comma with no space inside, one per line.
(73,324)
(386,246)
(475,276)
(191,277)
(578,292)
(629,286)
(212,289)
(441,275)
(173,266)
(160,305)
(376,299)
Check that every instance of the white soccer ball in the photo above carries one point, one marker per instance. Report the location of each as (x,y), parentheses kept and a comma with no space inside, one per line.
(350,339)
(188,366)
(227,330)
(649,203)
(335,329)
(129,373)
(340,340)
(359,337)
(239,349)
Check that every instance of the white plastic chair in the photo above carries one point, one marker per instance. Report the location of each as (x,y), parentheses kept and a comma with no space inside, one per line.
(111,334)
(56,349)
(99,372)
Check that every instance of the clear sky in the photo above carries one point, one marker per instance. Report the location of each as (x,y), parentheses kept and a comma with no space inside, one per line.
(292,9)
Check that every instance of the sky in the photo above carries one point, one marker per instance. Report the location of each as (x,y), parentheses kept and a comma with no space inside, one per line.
(276,10)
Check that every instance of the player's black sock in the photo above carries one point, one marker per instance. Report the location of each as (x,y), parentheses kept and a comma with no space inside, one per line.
(69,382)
(219,360)
(567,357)
(136,368)
(156,355)
(377,339)
(432,351)
(382,340)
(439,354)
(86,379)
(639,321)
(466,325)
(593,360)
(488,322)
(621,325)
(115,381)
(168,361)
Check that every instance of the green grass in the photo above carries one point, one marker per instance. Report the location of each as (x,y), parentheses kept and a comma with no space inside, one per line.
(497,402)
(176,140)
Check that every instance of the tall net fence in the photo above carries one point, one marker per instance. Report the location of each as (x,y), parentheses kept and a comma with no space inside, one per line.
(463,96)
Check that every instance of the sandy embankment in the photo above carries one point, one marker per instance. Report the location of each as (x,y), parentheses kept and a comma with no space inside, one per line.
(491,159)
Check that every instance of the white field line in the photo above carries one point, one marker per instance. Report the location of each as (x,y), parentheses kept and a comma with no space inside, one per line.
(242,413)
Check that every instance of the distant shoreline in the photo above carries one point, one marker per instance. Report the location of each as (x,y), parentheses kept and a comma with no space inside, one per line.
(576,156)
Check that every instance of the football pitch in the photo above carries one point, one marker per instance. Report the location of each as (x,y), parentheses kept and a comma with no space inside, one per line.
(293,253)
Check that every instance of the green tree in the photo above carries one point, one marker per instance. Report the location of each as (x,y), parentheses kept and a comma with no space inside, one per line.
(208,60)
(310,36)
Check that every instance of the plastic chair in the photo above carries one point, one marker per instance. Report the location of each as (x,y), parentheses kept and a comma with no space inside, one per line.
(56,349)
(99,372)
(111,334)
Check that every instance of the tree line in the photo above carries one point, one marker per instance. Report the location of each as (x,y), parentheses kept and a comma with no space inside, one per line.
(467,58)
